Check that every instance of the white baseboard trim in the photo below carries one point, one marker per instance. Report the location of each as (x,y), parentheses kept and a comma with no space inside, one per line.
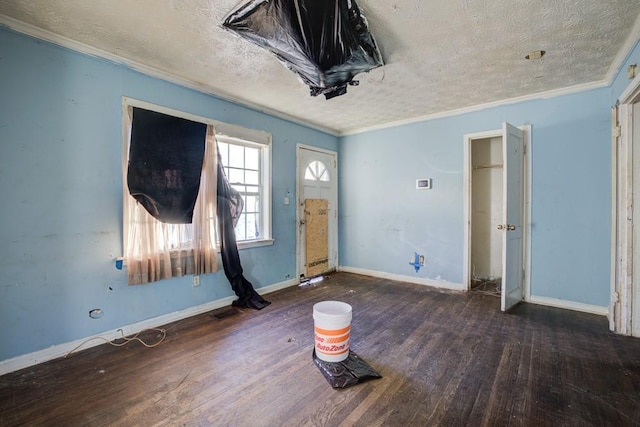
(570,305)
(277,286)
(551,302)
(60,350)
(440,284)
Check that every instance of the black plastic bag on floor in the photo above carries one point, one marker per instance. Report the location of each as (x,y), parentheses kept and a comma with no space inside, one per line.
(351,371)
(325,42)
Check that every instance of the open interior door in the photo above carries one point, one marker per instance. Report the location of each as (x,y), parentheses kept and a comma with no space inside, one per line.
(512,243)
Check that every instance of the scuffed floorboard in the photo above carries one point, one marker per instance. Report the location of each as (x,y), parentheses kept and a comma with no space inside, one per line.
(446,359)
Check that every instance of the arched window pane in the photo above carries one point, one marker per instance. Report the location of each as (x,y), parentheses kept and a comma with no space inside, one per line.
(317,171)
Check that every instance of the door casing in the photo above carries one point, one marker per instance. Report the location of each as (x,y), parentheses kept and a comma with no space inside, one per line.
(333,221)
(468,139)
(621,309)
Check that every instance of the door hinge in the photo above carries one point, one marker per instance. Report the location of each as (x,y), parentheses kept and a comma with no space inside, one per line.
(617,131)
(615,297)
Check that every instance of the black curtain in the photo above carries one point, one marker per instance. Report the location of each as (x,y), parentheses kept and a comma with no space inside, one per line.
(165,163)
(166,154)
(229,208)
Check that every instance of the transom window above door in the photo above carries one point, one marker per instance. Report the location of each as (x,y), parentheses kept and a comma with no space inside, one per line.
(317,171)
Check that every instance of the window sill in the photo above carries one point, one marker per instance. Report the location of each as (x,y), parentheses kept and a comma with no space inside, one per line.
(255,243)
(121,262)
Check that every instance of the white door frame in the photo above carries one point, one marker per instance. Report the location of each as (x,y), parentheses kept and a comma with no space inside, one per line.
(620,308)
(299,211)
(526,232)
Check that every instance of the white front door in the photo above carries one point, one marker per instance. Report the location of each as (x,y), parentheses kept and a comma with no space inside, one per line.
(513,199)
(317,180)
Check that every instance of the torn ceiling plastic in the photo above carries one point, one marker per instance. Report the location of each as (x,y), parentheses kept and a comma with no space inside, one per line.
(326,42)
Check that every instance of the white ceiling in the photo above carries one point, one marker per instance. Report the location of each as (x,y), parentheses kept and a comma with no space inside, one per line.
(440,55)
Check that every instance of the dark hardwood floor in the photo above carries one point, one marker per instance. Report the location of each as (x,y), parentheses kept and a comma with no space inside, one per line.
(447,359)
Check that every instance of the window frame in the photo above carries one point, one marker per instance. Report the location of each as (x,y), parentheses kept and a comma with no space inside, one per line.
(228,131)
(265,186)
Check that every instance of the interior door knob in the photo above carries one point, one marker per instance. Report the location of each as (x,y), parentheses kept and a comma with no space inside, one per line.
(501,227)
(511,227)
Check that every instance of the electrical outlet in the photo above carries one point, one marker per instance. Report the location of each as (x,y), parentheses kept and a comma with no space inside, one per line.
(96,313)
(196,281)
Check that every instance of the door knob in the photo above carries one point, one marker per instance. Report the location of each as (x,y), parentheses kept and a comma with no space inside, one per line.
(511,227)
(500,227)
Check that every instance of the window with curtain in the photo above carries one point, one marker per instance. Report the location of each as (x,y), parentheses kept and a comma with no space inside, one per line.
(169,190)
(169,186)
(246,158)
(243,166)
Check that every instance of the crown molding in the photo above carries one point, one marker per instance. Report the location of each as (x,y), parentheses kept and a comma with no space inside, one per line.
(65,42)
(623,52)
(474,108)
(68,43)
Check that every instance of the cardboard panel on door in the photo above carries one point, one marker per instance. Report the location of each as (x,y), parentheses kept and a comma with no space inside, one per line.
(316,236)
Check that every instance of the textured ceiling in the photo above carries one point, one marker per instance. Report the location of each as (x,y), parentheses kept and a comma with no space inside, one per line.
(440,55)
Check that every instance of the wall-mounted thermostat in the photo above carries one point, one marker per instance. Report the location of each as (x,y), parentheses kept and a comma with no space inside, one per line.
(423,184)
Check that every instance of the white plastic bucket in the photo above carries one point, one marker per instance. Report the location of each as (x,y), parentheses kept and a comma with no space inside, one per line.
(332,327)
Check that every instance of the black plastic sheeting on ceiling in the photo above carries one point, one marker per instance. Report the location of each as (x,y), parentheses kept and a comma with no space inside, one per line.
(326,42)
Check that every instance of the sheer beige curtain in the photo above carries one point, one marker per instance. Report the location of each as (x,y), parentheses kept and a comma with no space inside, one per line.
(154,250)
(205,253)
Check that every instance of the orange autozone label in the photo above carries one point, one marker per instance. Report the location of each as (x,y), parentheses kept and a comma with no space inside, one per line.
(332,341)
(333,349)
(332,331)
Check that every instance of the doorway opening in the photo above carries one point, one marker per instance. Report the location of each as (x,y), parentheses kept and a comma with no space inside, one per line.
(496,189)
(317,211)
(624,309)
(486,214)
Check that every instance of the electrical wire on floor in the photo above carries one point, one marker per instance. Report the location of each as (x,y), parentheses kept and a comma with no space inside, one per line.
(491,287)
(126,339)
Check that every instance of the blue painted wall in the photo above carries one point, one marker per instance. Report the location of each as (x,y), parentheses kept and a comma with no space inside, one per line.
(384,219)
(61,192)
(621,82)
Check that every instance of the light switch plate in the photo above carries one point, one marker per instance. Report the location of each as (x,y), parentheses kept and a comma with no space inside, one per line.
(423,184)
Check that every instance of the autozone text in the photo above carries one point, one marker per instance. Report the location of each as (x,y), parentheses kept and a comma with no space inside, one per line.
(331,348)
(332,340)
